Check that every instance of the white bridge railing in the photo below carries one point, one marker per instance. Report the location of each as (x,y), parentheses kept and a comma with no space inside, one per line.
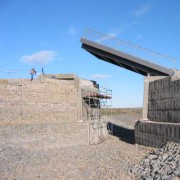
(129,48)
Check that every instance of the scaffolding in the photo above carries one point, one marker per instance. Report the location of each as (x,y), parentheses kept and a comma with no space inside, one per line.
(97,102)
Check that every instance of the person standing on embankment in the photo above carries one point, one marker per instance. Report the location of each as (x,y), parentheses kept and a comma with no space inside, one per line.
(32,73)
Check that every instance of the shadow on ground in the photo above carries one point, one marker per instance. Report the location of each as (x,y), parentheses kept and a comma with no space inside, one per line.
(124,134)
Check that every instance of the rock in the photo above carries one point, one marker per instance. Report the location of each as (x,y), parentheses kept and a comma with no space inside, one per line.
(146,161)
(177,171)
(152,156)
(166,177)
(134,170)
(175,178)
(165,156)
(163,163)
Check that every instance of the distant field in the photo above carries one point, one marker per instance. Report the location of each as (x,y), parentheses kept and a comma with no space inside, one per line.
(115,111)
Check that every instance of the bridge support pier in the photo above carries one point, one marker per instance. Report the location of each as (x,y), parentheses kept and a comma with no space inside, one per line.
(147,80)
(161,111)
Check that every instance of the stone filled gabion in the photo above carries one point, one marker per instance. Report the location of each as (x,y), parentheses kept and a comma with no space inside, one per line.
(162,163)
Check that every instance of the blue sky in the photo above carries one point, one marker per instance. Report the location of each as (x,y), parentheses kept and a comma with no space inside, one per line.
(47,33)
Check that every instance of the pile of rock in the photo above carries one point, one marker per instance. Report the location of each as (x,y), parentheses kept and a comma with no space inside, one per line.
(163,163)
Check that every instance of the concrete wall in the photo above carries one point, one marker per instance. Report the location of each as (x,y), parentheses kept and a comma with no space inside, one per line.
(147,81)
(164,100)
(156,134)
(163,115)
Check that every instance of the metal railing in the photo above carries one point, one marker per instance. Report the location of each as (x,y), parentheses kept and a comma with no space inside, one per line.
(105,98)
(129,48)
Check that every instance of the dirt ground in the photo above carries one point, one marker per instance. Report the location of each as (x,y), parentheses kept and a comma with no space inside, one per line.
(111,159)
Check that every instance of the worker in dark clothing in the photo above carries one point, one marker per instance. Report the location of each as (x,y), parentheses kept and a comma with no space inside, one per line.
(32,73)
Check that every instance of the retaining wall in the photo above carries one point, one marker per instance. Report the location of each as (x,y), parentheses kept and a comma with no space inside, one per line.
(45,136)
(38,101)
(163,113)
(46,113)
(41,113)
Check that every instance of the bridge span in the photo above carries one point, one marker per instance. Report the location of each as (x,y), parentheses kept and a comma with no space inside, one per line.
(98,47)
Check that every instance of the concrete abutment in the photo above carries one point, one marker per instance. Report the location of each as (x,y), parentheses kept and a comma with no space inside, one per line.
(161,112)
(46,113)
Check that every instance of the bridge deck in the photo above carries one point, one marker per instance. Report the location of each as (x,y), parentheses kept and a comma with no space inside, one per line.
(124,60)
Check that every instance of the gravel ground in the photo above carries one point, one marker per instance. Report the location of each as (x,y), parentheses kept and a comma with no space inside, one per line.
(161,164)
(111,159)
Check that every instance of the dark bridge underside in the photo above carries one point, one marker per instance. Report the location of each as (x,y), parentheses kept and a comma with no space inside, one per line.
(124,60)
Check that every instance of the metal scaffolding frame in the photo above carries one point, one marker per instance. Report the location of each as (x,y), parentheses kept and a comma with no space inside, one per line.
(94,100)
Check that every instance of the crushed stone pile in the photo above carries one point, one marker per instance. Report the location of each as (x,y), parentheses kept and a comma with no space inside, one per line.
(162,163)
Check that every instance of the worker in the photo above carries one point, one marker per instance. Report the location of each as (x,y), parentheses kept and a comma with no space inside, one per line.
(32,73)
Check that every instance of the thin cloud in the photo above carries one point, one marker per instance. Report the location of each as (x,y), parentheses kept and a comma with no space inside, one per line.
(139,37)
(143,10)
(119,30)
(100,76)
(72,31)
(113,33)
(45,44)
(41,57)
